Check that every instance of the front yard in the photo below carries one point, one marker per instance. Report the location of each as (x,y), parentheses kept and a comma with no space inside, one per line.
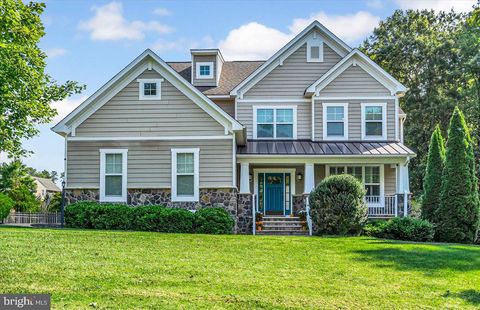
(107,269)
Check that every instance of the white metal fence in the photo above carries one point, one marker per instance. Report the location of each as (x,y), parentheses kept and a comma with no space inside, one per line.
(33,218)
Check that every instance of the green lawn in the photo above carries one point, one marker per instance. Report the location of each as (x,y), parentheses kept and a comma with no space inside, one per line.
(151,270)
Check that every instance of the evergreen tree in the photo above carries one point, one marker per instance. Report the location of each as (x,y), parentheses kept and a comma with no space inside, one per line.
(432,184)
(458,215)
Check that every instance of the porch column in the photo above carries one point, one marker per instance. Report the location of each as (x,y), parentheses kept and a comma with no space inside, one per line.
(309,184)
(244,178)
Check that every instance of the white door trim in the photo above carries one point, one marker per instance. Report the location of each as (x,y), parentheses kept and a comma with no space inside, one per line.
(292,172)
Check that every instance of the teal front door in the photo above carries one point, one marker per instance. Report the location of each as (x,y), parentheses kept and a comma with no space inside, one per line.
(274,193)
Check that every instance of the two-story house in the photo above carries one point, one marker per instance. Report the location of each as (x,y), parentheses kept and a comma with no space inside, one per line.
(243,135)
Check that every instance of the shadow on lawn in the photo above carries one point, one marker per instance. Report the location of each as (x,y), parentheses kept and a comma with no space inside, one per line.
(470,296)
(431,259)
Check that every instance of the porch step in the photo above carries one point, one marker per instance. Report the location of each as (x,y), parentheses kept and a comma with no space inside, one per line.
(282,226)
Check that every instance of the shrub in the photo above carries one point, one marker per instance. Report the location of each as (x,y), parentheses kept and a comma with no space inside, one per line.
(93,215)
(338,205)
(458,215)
(407,228)
(374,228)
(432,183)
(6,205)
(213,221)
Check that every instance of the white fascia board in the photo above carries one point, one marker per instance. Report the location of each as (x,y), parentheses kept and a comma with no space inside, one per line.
(85,109)
(367,64)
(293,45)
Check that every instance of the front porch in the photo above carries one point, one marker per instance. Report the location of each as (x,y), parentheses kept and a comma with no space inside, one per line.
(282,189)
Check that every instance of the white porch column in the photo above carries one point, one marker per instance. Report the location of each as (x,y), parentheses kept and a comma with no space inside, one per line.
(244,178)
(309,178)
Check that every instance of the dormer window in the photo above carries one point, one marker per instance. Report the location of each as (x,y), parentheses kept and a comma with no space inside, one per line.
(204,70)
(315,49)
(149,89)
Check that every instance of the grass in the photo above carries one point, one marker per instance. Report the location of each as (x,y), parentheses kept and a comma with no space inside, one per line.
(120,270)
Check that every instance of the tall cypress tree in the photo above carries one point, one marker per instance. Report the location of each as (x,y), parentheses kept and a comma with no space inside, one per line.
(458,215)
(432,183)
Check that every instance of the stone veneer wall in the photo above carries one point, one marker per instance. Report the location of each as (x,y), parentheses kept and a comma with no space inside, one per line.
(238,205)
(297,204)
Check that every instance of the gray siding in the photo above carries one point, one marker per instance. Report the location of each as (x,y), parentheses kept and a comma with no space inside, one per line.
(204,58)
(304,119)
(354,81)
(149,162)
(355,118)
(390,180)
(292,78)
(226,105)
(126,115)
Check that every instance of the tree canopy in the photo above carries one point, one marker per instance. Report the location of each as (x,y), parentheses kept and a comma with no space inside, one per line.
(437,57)
(26,90)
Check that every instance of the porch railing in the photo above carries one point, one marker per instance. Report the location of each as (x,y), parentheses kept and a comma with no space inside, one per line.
(33,218)
(382,206)
(309,218)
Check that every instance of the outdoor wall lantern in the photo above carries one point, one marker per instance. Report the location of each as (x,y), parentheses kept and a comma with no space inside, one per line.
(299,176)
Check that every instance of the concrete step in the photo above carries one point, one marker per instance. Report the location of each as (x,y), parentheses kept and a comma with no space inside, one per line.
(280,218)
(282,233)
(282,228)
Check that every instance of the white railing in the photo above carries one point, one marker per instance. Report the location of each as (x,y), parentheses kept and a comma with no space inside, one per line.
(33,218)
(309,218)
(382,206)
(254,213)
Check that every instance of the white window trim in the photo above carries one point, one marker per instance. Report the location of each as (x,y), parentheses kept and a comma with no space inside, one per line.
(315,41)
(384,121)
(294,109)
(141,93)
(345,121)
(103,197)
(382,177)
(196,174)
(197,71)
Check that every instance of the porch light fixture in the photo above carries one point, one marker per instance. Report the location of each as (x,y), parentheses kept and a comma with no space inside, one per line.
(299,176)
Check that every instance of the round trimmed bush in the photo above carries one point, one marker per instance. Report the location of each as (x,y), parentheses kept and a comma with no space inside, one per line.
(6,205)
(338,205)
(407,228)
(213,221)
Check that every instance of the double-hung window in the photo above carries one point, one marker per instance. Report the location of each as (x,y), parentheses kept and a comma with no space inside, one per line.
(185,174)
(335,121)
(370,176)
(113,175)
(275,123)
(204,70)
(150,89)
(374,121)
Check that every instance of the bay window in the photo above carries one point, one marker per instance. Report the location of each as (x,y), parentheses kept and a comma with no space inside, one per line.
(275,123)
(185,174)
(113,175)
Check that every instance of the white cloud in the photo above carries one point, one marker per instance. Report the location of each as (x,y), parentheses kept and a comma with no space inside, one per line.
(182,44)
(108,23)
(65,106)
(162,12)
(375,4)
(437,5)
(348,27)
(55,52)
(256,41)
(253,41)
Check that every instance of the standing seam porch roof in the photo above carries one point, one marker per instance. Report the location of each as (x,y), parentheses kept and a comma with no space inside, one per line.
(326,148)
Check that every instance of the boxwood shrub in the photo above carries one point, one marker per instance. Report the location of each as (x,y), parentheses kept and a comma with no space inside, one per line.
(401,228)
(93,215)
(213,221)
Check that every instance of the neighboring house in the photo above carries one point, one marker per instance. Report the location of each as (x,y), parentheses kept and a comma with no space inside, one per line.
(210,132)
(45,187)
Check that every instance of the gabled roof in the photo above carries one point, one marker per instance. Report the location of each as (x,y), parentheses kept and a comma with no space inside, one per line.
(48,184)
(277,59)
(151,61)
(233,72)
(356,57)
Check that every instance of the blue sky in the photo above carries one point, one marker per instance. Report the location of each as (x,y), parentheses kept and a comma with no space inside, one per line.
(90,41)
